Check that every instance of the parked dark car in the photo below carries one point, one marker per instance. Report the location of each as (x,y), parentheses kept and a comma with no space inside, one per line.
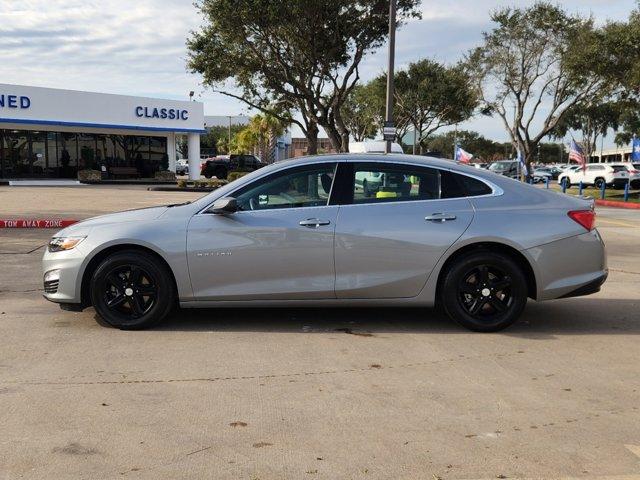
(221,166)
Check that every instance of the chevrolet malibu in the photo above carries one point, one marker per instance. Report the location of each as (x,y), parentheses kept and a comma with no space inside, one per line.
(305,233)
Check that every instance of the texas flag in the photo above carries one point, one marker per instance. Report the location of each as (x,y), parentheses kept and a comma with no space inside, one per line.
(462,156)
(635,152)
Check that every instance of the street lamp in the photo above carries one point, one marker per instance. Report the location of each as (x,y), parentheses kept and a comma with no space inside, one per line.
(389,132)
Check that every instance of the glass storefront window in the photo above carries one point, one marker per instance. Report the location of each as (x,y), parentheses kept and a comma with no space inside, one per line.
(87,151)
(25,153)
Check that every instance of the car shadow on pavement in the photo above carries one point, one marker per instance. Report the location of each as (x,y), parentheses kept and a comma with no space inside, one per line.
(577,316)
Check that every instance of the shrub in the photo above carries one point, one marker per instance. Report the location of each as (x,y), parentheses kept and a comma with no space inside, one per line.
(182,184)
(235,175)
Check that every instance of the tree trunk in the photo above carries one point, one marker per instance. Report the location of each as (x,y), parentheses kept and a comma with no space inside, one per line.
(312,139)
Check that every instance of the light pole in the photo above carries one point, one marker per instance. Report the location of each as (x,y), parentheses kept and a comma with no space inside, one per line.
(389,131)
(229,131)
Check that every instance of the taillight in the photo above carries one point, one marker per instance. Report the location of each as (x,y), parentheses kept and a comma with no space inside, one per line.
(203,167)
(586,218)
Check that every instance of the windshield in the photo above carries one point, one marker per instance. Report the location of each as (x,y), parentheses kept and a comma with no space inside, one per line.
(500,166)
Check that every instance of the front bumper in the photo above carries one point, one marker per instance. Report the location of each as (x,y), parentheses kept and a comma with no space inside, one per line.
(70,265)
(570,267)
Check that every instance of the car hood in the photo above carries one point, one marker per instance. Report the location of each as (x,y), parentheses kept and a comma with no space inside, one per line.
(138,215)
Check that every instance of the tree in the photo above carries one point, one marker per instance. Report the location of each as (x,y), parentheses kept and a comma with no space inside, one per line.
(362,112)
(592,120)
(259,136)
(430,95)
(300,56)
(217,138)
(473,142)
(538,60)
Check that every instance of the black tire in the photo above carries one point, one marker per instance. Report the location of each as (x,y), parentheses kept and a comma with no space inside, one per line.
(484,291)
(220,173)
(207,174)
(598,183)
(132,290)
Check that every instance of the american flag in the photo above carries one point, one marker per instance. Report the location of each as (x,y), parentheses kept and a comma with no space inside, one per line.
(576,154)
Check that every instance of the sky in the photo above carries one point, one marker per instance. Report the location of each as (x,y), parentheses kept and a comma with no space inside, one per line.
(138,47)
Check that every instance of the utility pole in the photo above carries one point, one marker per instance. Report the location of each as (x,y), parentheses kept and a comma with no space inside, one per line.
(229,144)
(389,132)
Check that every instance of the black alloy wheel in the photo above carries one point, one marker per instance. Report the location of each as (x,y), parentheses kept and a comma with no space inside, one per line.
(132,290)
(484,291)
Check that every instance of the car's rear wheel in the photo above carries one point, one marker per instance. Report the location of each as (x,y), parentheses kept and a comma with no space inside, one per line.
(484,291)
(208,174)
(131,290)
(220,173)
(598,183)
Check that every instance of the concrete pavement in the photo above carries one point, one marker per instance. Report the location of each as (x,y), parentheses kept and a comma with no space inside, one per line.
(318,394)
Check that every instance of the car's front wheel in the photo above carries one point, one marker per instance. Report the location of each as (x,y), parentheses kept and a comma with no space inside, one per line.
(131,290)
(484,291)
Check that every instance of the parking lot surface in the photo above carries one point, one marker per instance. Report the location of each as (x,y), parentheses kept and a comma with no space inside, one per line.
(317,393)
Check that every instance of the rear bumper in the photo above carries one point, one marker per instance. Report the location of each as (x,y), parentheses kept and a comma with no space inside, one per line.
(589,288)
(570,267)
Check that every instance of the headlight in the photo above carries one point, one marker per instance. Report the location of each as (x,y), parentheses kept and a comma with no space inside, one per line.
(58,244)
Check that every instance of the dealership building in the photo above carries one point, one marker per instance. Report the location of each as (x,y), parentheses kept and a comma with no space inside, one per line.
(52,133)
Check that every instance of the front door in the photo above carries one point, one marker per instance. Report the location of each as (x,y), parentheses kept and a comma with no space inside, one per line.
(394,230)
(279,246)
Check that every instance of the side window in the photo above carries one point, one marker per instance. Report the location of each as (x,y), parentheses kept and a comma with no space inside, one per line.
(386,182)
(456,185)
(308,186)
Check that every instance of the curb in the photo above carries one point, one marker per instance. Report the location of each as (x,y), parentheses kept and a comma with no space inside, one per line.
(35,223)
(615,204)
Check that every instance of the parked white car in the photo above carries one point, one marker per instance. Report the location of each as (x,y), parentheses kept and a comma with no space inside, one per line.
(634,172)
(596,174)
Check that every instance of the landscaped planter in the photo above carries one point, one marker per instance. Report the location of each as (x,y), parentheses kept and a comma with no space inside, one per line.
(165,175)
(89,175)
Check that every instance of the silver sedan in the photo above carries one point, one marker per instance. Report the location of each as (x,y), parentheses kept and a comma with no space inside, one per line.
(305,233)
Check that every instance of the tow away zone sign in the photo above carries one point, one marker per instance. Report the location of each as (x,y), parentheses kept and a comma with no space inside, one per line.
(35,223)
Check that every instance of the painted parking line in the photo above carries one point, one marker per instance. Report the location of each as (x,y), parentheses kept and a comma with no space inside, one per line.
(634,449)
(617,223)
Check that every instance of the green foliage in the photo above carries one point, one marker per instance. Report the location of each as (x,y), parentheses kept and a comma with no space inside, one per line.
(217,138)
(534,56)
(430,95)
(235,175)
(259,135)
(182,184)
(363,111)
(285,56)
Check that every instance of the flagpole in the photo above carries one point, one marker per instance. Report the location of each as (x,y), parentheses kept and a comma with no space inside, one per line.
(455,142)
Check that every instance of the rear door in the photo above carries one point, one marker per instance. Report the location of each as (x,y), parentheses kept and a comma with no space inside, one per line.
(389,237)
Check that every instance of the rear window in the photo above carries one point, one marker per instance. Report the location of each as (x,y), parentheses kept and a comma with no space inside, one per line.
(636,166)
(455,185)
(619,168)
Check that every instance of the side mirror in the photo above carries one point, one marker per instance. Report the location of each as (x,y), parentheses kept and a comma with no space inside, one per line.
(224,206)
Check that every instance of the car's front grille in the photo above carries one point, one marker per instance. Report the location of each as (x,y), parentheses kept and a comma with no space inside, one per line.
(51,286)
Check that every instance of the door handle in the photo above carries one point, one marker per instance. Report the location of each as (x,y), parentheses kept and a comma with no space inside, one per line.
(439,217)
(313,222)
